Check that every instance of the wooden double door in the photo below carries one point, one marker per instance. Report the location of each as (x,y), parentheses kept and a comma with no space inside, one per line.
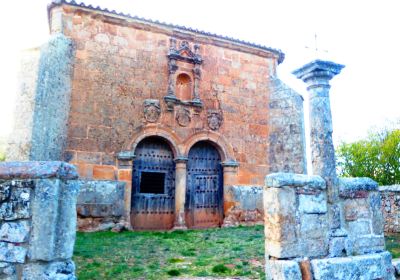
(153,186)
(204,191)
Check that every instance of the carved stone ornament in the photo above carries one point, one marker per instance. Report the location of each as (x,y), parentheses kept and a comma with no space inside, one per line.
(214,119)
(151,110)
(183,117)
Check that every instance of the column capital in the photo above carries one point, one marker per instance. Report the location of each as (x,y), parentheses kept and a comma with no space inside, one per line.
(318,73)
(126,155)
(181,160)
(230,163)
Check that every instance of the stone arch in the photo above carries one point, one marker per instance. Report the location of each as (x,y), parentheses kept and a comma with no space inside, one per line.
(218,141)
(171,138)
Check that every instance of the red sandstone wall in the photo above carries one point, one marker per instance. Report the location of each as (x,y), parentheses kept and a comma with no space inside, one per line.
(118,66)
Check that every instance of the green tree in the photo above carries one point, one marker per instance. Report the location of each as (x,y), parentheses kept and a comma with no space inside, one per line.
(377,157)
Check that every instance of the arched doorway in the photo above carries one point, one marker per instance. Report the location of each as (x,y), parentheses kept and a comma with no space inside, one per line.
(153,185)
(204,192)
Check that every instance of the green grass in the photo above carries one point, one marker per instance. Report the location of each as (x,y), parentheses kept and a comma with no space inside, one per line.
(165,255)
(393,244)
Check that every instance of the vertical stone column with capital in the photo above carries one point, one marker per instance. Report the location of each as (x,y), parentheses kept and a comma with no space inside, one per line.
(180,192)
(317,75)
(125,167)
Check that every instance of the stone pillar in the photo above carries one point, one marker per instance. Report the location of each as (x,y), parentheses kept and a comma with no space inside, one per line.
(317,75)
(180,192)
(38,220)
(125,167)
(230,170)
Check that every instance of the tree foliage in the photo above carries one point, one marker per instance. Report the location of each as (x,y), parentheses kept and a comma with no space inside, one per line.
(377,157)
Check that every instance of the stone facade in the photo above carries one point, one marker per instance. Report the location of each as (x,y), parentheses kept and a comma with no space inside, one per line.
(391,207)
(38,220)
(123,80)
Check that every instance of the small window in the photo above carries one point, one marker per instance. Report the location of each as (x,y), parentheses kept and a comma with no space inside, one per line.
(152,182)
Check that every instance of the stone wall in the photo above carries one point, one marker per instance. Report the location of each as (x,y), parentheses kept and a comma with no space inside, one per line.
(391,207)
(247,206)
(100,205)
(299,241)
(37,220)
(43,102)
(286,139)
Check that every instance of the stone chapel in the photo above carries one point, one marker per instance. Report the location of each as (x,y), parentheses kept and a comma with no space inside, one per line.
(185,123)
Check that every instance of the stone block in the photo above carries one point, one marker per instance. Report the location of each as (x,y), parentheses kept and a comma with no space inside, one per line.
(16,232)
(5,191)
(18,206)
(280,214)
(57,270)
(282,249)
(313,226)
(356,209)
(356,187)
(368,244)
(247,197)
(282,270)
(278,180)
(53,230)
(396,265)
(101,198)
(313,247)
(359,227)
(340,246)
(365,267)
(12,253)
(37,170)
(8,271)
(377,215)
(313,204)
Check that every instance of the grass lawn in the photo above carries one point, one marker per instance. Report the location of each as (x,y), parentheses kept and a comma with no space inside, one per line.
(163,255)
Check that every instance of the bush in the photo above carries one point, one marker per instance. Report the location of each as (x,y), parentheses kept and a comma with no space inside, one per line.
(220,268)
(377,157)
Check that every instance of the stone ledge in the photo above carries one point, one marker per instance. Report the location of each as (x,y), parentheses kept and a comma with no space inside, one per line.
(278,180)
(390,188)
(356,187)
(37,170)
(371,266)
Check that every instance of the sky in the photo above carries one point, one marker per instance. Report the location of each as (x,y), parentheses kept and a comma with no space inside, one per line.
(361,34)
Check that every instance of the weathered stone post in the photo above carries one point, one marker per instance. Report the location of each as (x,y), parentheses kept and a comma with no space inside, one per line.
(180,192)
(37,220)
(317,75)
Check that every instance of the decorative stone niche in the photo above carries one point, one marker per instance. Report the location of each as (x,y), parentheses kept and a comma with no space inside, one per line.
(184,75)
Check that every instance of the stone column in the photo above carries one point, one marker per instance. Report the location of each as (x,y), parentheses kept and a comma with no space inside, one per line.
(229,180)
(317,75)
(230,170)
(180,192)
(125,168)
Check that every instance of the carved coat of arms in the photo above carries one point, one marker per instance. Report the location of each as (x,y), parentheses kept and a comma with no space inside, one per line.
(183,117)
(214,119)
(151,110)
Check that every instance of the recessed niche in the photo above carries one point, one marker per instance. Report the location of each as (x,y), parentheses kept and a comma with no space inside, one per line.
(184,87)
